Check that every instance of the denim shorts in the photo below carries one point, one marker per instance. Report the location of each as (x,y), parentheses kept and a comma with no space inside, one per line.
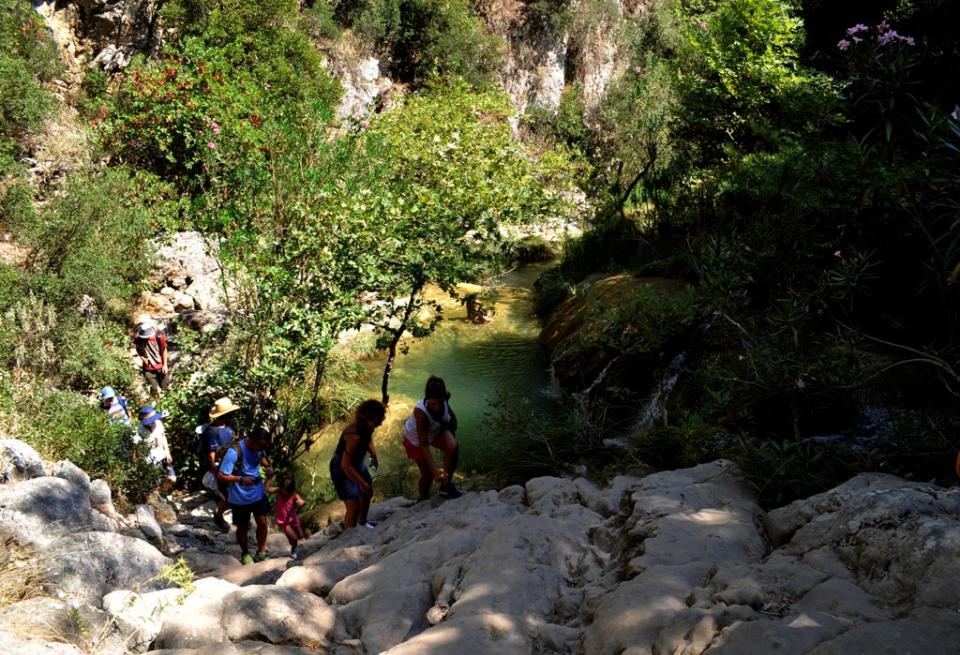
(346,488)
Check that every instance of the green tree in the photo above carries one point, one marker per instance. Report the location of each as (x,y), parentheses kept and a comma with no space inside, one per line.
(456,176)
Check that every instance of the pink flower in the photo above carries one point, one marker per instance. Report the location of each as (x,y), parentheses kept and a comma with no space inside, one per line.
(215,127)
(859,27)
(637,70)
(211,145)
(843,44)
(266,85)
(955,114)
(365,123)
(888,37)
(909,40)
(703,25)
(838,254)
(883,26)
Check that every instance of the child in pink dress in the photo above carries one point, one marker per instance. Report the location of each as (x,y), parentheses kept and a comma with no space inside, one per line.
(285,512)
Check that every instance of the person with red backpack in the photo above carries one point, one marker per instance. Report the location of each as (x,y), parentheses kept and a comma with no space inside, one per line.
(151,345)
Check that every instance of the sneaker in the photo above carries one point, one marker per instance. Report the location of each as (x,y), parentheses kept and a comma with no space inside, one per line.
(259,557)
(222,525)
(293,553)
(449,490)
(246,559)
(369,526)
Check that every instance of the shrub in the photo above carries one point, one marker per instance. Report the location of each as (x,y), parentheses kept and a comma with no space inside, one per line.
(67,425)
(423,38)
(93,239)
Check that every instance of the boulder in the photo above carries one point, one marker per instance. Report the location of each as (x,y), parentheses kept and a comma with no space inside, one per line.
(319,578)
(196,622)
(19,461)
(88,565)
(101,496)
(148,524)
(142,615)
(41,619)
(280,615)
(39,510)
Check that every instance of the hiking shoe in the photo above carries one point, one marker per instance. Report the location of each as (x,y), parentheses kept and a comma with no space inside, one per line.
(449,490)
(293,553)
(222,525)
(246,559)
(259,557)
(369,526)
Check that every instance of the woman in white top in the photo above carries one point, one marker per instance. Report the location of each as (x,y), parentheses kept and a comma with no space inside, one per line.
(433,423)
(150,431)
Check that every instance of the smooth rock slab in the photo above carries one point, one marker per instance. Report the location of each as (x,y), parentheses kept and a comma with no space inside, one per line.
(280,615)
(197,622)
(317,579)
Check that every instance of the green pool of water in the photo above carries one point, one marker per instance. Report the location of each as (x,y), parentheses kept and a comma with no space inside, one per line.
(481,365)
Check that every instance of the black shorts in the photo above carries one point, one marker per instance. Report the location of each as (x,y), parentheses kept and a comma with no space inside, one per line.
(241,513)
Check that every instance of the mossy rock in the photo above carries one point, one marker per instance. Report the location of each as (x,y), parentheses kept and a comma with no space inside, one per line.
(627,323)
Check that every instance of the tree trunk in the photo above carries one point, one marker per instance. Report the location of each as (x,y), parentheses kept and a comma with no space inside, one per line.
(392,348)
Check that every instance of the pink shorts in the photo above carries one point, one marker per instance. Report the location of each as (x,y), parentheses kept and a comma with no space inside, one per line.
(292,521)
(413,452)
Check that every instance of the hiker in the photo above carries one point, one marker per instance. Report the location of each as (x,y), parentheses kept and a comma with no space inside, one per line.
(285,512)
(150,431)
(240,469)
(219,432)
(476,312)
(348,470)
(114,405)
(151,345)
(433,423)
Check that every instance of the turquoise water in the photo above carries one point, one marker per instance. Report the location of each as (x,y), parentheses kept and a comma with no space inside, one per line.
(481,364)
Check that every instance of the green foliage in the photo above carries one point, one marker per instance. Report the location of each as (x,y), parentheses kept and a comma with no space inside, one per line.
(92,101)
(425,38)
(28,59)
(66,425)
(92,240)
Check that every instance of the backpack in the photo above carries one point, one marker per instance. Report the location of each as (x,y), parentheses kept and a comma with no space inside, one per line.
(233,445)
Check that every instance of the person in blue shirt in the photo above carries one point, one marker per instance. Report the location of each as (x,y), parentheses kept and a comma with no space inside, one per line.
(115,406)
(240,469)
(219,432)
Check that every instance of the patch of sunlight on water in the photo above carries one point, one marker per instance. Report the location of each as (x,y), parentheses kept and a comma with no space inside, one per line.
(480,364)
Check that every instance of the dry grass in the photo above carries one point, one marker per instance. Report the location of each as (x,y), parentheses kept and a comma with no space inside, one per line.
(21,572)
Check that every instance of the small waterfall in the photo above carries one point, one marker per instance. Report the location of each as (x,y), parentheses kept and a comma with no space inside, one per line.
(599,379)
(652,410)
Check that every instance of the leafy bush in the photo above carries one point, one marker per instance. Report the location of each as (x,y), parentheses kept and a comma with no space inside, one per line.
(28,59)
(423,38)
(93,239)
(67,425)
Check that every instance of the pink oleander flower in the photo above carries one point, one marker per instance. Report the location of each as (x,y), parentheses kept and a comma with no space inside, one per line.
(703,25)
(955,114)
(266,85)
(909,40)
(365,123)
(883,26)
(215,127)
(859,27)
(857,39)
(838,254)
(843,44)
(211,145)
(637,70)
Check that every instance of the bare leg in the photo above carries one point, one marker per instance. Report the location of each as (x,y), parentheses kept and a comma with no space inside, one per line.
(451,452)
(261,533)
(426,479)
(242,537)
(291,535)
(350,518)
(222,507)
(364,507)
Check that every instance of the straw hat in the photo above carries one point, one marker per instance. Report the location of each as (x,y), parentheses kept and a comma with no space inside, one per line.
(222,407)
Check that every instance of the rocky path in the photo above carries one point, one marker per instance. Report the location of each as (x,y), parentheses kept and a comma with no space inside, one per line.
(680,562)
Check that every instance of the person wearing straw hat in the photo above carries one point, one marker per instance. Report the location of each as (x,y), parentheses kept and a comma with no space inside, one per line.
(151,345)
(150,431)
(219,432)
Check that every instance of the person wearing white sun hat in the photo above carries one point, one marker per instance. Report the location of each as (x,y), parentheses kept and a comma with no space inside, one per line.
(151,345)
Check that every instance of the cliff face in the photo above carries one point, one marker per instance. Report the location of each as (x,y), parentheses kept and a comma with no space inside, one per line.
(580,43)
